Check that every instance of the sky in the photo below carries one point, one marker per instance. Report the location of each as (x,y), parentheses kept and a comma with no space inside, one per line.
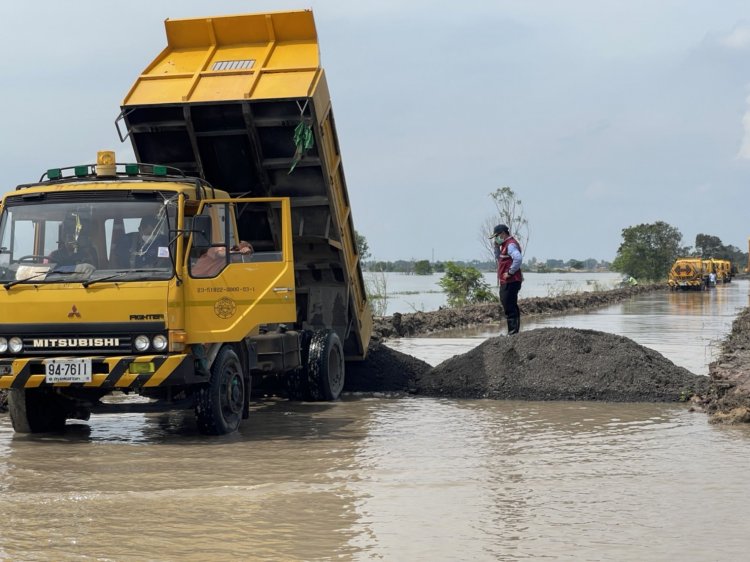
(599,114)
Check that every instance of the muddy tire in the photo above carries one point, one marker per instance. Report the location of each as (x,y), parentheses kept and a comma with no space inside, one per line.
(220,404)
(35,411)
(325,366)
(296,385)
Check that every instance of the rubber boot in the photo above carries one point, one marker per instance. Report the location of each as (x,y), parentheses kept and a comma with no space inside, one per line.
(512,325)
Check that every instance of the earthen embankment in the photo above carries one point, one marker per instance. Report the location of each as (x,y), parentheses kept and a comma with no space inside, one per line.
(418,323)
(728,400)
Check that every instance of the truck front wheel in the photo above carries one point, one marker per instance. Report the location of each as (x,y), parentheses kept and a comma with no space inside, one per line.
(35,411)
(325,366)
(219,405)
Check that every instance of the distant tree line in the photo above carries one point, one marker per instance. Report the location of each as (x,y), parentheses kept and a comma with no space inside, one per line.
(423,267)
(426,267)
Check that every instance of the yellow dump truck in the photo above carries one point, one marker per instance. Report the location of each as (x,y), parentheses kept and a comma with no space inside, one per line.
(688,273)
(225,252)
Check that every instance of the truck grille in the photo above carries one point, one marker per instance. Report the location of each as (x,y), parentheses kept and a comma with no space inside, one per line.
(84,344)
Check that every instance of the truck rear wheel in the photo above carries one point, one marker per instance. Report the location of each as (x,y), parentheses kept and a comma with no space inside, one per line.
(325,366)
(297,387)
(220,404)
(35,411)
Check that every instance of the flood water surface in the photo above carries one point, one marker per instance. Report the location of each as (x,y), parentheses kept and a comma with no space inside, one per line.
(398,478)
(392,479)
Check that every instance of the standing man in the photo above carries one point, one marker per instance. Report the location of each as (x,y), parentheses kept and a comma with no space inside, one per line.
(509,276)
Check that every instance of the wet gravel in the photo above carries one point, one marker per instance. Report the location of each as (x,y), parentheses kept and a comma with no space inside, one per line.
(562,364)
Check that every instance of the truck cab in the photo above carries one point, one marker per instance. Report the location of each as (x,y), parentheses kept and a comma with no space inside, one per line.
(105,288)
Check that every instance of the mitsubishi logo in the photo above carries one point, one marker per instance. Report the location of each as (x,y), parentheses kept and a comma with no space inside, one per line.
(74,313)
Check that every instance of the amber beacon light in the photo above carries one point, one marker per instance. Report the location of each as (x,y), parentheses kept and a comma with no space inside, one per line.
(105,163)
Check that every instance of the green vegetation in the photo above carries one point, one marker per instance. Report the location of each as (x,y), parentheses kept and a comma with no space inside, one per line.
(422,267)
(707,246)
(648,251)
(532,265)
(464,285)
(376,287)
(363,248)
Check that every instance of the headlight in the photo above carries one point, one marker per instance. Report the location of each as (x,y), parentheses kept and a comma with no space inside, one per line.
(159,342)
(15,344)
(3,345)
(141,343)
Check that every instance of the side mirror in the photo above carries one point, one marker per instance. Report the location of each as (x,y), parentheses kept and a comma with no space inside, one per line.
(201,231)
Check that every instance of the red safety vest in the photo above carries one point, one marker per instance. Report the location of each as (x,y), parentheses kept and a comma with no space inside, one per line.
(504,261)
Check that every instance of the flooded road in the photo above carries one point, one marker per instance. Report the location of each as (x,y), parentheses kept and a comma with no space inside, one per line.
(398,479)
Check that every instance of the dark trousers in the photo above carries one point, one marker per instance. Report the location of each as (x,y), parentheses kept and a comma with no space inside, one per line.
(509,299)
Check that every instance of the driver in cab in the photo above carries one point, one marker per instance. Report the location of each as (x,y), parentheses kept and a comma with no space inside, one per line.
(74,246)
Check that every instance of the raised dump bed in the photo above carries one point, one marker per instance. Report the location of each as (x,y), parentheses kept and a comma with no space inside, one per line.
(242,102)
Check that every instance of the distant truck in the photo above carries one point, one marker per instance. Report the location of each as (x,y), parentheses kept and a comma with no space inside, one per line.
(225,252)
(721,268)
(688,273)
(695,273)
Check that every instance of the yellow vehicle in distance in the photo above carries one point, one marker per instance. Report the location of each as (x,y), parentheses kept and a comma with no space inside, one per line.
(226,252)
(688,273)
(698,273)
(722,269)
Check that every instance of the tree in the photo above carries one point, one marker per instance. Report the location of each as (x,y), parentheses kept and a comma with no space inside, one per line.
(648,251)
(464,285)
(363,248)
(708,246)
(422,267)
(376,287)
(576,264)
(508,211)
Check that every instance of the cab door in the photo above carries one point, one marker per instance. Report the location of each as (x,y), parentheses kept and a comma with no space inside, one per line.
(229,290)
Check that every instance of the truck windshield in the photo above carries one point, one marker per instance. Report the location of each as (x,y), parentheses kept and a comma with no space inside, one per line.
(71,241)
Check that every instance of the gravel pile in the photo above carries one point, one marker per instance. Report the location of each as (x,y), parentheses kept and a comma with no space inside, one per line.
(384,370)
(562,364)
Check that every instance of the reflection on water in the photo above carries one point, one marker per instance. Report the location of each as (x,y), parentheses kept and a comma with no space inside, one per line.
(362,479)
(684,326)
(135,487)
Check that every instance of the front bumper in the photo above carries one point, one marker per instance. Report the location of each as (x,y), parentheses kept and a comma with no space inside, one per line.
(107,372)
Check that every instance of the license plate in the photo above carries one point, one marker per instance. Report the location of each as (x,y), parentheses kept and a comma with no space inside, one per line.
(68,370)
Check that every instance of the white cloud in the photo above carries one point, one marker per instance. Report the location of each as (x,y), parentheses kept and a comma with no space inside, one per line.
(744,152)
(738,38)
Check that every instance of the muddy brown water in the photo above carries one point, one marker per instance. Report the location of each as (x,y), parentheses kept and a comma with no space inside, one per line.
(397,478)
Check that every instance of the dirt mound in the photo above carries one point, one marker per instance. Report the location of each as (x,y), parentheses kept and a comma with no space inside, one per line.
(562,364)
(384,370)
